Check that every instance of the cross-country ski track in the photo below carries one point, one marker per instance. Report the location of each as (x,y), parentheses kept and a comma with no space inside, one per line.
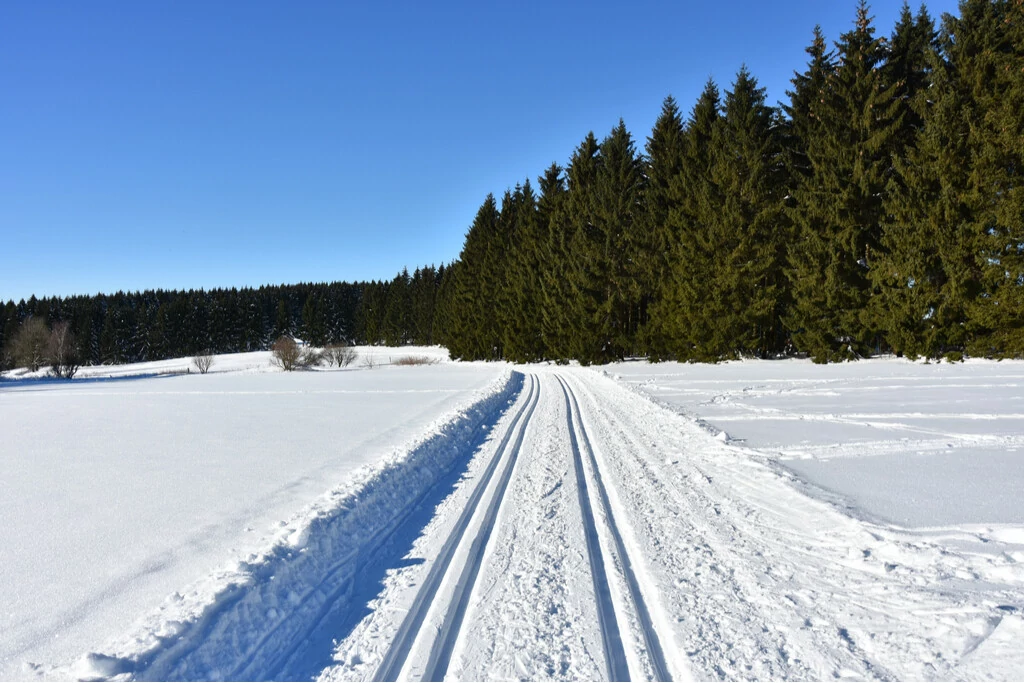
(566,528)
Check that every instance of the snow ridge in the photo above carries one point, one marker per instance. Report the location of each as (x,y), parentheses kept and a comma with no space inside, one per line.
(251,620)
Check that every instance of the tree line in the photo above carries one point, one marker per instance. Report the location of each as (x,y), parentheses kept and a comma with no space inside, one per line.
(880,210)
(157,324)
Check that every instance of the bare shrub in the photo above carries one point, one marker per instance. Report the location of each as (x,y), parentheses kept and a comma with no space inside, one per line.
(286,354)
(202,362)
(369,362)
(30,344)
(341,355)
(310,358)
(415,360)
(63,351)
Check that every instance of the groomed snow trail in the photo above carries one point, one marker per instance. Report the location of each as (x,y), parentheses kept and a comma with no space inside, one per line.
(532,579)
(603,537)
(566,528)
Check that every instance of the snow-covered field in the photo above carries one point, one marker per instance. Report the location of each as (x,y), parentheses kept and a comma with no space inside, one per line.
(914,444)
(766,520)
(123,486)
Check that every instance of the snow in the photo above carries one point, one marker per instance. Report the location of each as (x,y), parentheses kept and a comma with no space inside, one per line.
(915,444)
(747,520)
(740,574)
(120,488)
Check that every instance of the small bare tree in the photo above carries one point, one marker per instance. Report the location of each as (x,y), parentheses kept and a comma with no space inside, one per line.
(341,355)
(286,354)
(30,344)
(63,351)
(202,361)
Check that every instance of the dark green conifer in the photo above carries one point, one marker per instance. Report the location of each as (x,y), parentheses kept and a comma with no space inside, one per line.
(570,214)
(837,209)
(744,233)
(663,166)
(552,228)
(604,272)
(694,199)
(474,333)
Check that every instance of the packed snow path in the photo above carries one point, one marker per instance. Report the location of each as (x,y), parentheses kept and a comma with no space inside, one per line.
(441,642)
(598,536)
(579,531)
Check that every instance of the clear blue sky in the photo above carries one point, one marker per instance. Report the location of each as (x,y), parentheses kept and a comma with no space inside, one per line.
(186,144)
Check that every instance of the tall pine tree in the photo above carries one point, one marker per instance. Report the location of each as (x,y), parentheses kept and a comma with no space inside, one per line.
(837,209)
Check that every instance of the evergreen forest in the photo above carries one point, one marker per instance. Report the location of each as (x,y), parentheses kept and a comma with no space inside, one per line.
(880,210)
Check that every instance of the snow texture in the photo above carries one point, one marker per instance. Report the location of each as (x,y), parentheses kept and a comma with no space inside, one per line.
(116,493)
(562,525)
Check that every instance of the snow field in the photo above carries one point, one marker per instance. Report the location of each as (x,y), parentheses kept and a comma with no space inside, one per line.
(930,602)
(921,445)
(117,493)
(267,611)
(553,523)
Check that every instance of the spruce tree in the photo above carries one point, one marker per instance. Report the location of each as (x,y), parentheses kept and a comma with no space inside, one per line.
(564,309)
(837,209)
(522,292)
(986,46)
(663,165)
(473,332)
(693,198)
(744,233)
(603,269)
(929,266)
(552,261)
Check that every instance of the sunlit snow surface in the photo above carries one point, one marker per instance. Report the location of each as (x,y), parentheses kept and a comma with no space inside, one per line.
(123,486)
(914,444)
(783,521)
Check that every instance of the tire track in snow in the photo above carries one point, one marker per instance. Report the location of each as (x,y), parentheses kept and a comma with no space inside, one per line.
(652,643)
(440,654)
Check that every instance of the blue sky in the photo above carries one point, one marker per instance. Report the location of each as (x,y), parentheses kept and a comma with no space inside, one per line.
(193,144)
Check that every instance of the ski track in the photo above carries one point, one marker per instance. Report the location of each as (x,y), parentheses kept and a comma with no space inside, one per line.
(651,640)
(589,533)
(398,652)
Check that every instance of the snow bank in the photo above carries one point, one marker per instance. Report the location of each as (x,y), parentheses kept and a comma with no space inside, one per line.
(245,620)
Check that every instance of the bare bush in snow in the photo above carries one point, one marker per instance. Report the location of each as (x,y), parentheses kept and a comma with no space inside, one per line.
(202,362)
(416,360)
(285,353)
(63,351)
(310,358)
(288,354)
(341,355)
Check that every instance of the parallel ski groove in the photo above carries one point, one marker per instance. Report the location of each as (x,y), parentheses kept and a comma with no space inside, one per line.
(652,643)
(615,655)
(398,652)
(444,644)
